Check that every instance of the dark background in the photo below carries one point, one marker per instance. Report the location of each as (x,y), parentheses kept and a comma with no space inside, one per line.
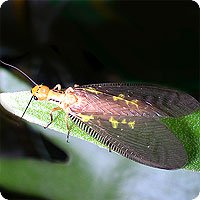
(82,42)
(92,41)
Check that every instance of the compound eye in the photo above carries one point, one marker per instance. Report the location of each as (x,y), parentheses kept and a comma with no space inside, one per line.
(35,98)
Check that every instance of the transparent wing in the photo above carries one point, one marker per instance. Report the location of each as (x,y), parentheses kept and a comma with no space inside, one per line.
(169,101)
(141,139)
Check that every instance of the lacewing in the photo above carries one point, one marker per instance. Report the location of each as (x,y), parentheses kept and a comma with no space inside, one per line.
(125,117)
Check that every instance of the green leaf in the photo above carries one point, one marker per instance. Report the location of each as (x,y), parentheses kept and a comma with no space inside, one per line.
(186,128)
(73,180)
(38,113)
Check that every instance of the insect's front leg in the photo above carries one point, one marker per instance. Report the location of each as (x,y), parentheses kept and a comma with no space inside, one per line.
(57,87)
(51,115)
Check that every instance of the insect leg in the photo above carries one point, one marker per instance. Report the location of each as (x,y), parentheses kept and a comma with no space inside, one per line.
(51,115)
(57,87)
(68,128)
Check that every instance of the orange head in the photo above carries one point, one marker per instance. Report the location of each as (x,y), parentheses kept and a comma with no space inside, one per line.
(40,92)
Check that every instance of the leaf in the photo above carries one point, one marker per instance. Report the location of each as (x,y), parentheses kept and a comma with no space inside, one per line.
(46,179)
(38,113)
(186,128)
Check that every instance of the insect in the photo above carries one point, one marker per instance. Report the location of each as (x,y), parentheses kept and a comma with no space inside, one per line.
(125,117)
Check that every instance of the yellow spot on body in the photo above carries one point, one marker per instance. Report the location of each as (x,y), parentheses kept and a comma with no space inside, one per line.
(93,90)
(114,122)
(123,121)
(86,118)
(131,124)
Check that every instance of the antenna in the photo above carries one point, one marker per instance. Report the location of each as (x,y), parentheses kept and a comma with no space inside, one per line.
(19,71)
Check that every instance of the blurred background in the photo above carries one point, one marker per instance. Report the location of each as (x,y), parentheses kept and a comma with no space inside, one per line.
(83,42)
